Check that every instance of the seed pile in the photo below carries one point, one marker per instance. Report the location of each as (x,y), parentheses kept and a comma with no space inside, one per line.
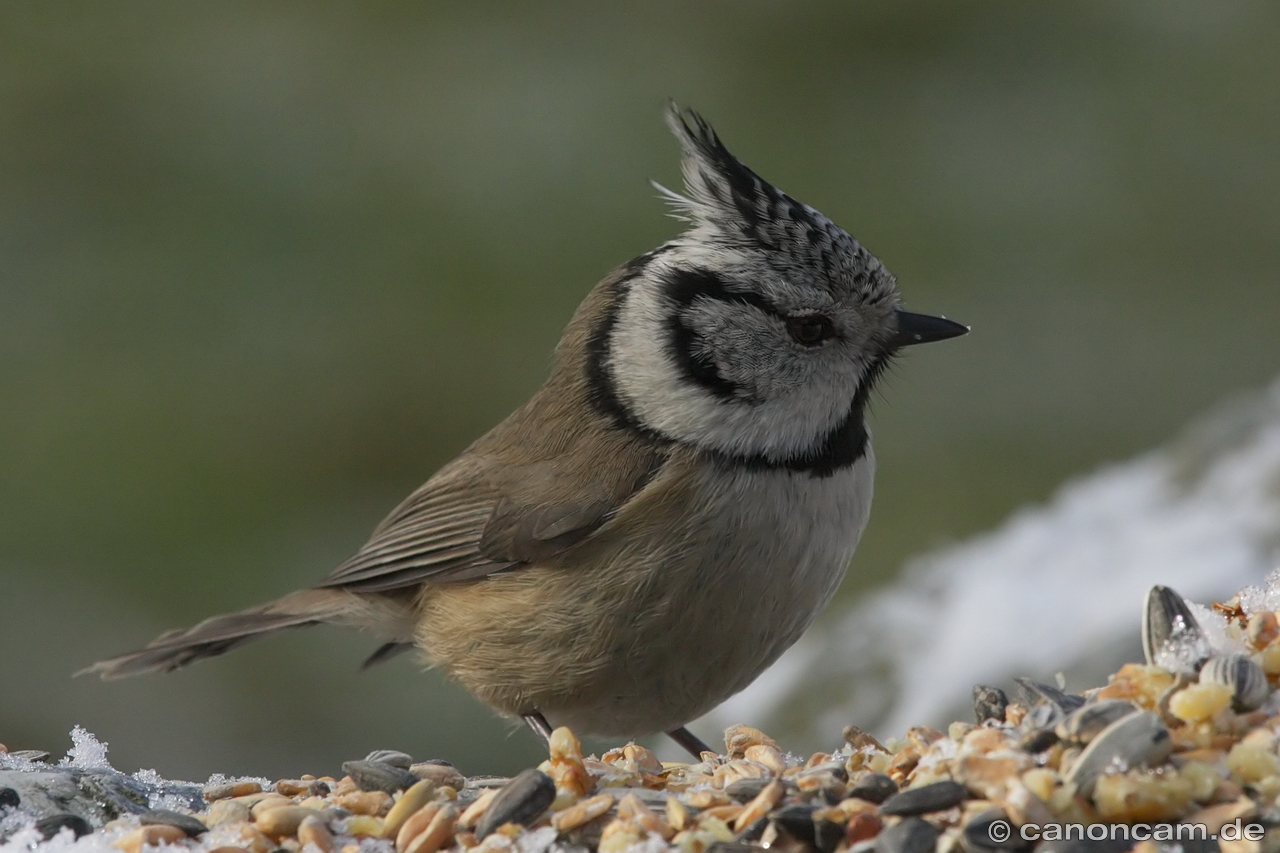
(1189,736)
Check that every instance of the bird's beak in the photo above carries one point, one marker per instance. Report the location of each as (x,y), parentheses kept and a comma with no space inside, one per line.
(924,328)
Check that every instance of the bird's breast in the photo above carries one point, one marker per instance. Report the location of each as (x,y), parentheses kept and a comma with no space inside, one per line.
(769,549)
(680,601)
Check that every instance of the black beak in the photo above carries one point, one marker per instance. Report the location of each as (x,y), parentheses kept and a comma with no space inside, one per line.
(923,329)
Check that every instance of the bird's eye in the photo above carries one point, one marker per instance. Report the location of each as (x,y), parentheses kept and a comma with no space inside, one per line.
(809,330)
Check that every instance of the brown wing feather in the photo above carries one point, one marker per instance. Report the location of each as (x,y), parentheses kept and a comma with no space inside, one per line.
(432,536)
(462,525)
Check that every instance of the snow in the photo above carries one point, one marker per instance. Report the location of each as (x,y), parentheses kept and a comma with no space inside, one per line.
(86,753)
(1255,599)
(64,842)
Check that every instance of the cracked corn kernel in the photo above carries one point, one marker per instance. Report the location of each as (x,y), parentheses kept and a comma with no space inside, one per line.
(1199,702)
(1250,763)
(1142,796)
(1203,779)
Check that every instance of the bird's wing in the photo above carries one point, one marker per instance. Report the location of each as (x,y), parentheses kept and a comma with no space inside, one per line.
(477,517)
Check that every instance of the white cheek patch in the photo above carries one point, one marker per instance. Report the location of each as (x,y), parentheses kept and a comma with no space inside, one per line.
(653,387)
(638,359)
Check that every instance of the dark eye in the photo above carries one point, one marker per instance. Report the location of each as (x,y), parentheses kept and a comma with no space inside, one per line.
(810,330)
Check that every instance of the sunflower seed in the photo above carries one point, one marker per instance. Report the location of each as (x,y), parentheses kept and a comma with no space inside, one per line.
(1134,740)
(378,776)
(1171,637)
(933,797)
(1248,683)
(523,800)
(874,788)
(913,835)
(1085,723)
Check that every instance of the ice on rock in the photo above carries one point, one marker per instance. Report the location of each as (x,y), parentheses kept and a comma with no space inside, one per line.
(87,752)
(224,779)
(84,784)
(170,794)
(148,777)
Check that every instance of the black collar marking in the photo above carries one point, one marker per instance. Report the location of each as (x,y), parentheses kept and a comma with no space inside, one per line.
(841,447)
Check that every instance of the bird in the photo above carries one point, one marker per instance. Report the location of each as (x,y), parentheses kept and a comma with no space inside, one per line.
(669,511)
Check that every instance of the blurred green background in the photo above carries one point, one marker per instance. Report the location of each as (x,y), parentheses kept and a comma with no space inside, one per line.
(265,266)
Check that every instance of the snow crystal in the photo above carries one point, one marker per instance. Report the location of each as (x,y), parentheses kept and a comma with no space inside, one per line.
(651,843)
(1186,647)
(367,844)
(1255,599)
(536,841)
(1223,637)
(87,752)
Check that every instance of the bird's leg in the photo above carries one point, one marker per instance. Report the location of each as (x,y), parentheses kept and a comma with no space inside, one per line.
(539,724)
(687,739)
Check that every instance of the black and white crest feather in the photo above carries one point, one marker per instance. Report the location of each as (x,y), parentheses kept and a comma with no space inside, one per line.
(701,344)
(728,203)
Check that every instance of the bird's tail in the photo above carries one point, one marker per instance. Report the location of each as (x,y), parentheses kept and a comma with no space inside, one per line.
(174,649)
